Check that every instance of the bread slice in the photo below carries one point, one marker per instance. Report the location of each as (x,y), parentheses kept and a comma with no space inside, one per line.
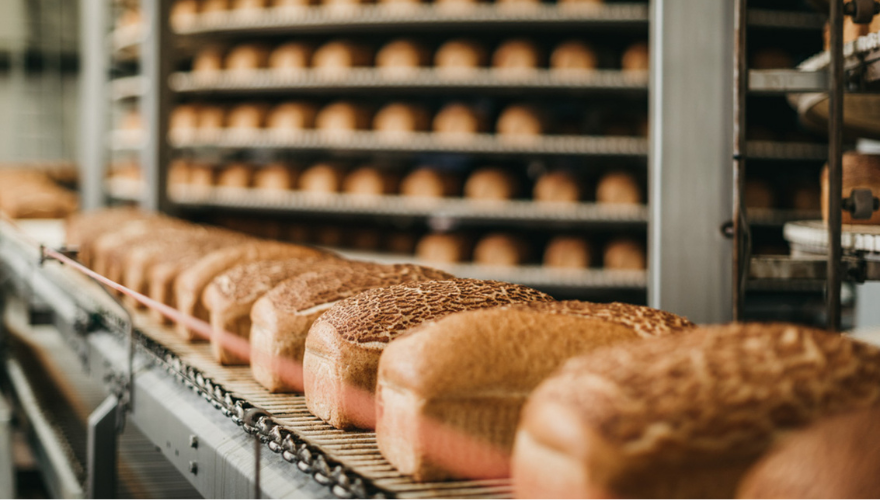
(341,362)
(231,295)
(684,416)
(281,319)
(190,284)
(463,379)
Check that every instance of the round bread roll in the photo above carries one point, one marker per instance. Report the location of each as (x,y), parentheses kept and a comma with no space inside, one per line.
(618,187)
(400,243)
(275,177)
(290,57)
(860,171)
(636,58)
(342,117)
(184,13)
(573,55)
(294,115)
(490,183)
(402,55)
(457,119)
(329,236)
(568,252)
(517,55)
(427,182)
(401,118)
(211,117)
(321,178)
(236,175)
(520,120)
(247,116)
(806,198)
(209,6)
(208,60)
(341,55)
(178,172)
(624,253)
(772,58)
(460,55)
(759,194)
(500,250)
(247,57)
(442,248)
(557,186)
(184,117)
(202,175)
(369,180)
(365,239)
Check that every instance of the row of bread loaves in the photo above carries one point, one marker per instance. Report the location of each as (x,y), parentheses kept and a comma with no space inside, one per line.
(30,193)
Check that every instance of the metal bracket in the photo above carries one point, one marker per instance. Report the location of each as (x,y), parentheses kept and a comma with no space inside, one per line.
(861,204)
(861,11)
(102,448)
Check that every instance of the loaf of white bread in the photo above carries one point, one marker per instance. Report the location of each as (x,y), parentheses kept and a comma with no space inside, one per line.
(83,228)
(684,416)
(470,373)
(281,319)
(341,361)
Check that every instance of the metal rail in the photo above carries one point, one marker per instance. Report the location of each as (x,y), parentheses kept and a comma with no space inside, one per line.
(835,167)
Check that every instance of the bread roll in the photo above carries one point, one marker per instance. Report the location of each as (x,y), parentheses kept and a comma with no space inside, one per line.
(281,319)
(321,178)
(292,116)
(178,173)
(293,5)
(214,6)
(341,117)
(236,175)
(427,182)
(636,58)
(683,416)
(471,371)
(806,198)
(398,118)
(771,58)
(208,60)
(573,55)
(618,187)
(517,4)
(131,121)
(247,116)
(256,5)
(202,175)
(517,55)
(343,346)
(759,194)
(457,120)
(341,55)
(500,250)
(399,5)
(184,117)
(557,186)
(579,4)
(834,458)
(291,57)
(623,253)
(231,295)
(459,55)
(276,177)
(490,183)
(456,5)
(568,252)
(860,171)
(442,248)
(369,180)
(343,7)
(184,13)
(402,55)
(520,121)
(247,57)
(211,118)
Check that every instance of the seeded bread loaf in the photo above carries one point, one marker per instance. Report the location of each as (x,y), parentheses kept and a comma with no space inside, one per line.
(281,319)
(231,295)
(341,362)
(471,372)
(190,284)
(684,416)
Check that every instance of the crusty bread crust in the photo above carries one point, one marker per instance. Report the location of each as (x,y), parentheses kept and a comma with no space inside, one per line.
(344,345)
(281,319)
(645,416)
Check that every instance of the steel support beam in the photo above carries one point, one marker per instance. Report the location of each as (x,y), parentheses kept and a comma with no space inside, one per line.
(93,102)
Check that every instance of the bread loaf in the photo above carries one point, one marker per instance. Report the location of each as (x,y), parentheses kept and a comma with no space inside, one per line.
(291,57)
(459,55)
(236,175)
(520,121)
(573,55)
(282,318)
(618,187)
(211,118)
(397,119)
(276,177)
(456,5)
(442,248)
(401,56)
(624,253)
(517,55)
(490,183)
(860,171)
(210,6)
(321,178)
(365,239)
(329,236)
(579,4)
(247,116)
(343,7)
(341,55)
(806,198)
(683,416)
(190,284)
(557,186)
(427,182)
(82,229)
(500,249)
(400,242)
(292,5)
(342,117)
(369,180)
(184,14)
(184,117)
(178,173)
(458,120)
(343,346)
(249,5)
(636,58)
(834,458)
(470,372)
(759,194)
(231,295)
(131,121)
(568,252)
(517,4)
(107,252)
(292,116)
(247,57)
(202,177)
(208,60)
